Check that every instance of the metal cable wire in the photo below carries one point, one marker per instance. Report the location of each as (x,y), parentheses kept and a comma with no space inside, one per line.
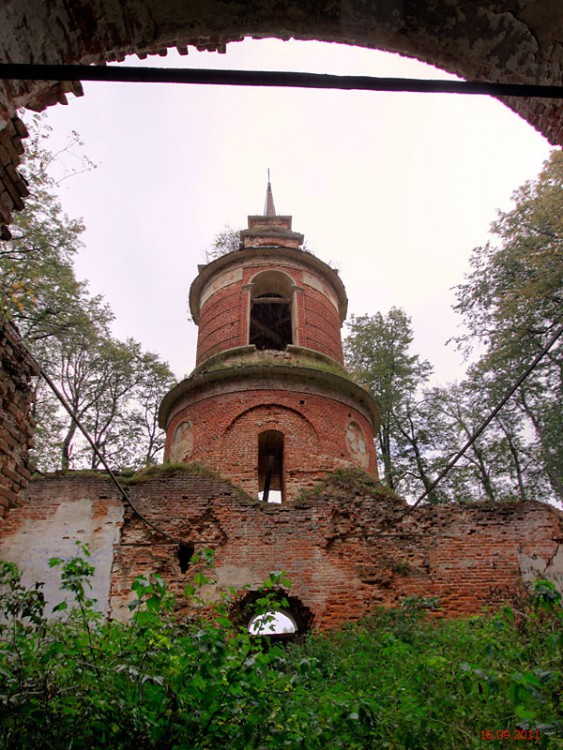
(484,424)
(121,489)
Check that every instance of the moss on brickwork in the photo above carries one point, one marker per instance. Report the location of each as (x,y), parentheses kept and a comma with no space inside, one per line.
(352,481)
(162,471)
(129,477)
(169,470)
(271,360)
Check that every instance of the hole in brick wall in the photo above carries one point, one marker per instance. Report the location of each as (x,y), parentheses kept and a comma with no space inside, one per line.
(293,619)
(272,623)
(301,401)
(185,554)
(270,466)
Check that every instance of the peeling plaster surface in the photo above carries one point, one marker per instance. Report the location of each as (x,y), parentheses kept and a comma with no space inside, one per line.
(346,549)
(533,567)
(35,540)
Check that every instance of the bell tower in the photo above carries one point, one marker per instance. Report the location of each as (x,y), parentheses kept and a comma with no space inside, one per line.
(269,404)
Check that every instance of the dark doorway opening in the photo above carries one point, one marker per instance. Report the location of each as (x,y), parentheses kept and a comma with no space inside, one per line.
(270,466)
(270,322)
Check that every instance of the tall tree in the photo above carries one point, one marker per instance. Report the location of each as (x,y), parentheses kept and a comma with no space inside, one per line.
(377,350)
(38,287)
(512,304)
(108,384)
(420,426)
(156,380)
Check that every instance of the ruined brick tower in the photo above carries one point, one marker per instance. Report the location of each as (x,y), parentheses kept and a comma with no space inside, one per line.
(269,403)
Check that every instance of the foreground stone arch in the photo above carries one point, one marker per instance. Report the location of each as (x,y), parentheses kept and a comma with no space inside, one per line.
(513,41)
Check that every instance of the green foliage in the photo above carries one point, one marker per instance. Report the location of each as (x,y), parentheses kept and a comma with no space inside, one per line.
(378,352)
(225,242)
(113,387)
(511,305)
(38,288)
(396,680)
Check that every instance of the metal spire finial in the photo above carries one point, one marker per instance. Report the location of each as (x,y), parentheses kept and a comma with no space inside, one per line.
(269,208)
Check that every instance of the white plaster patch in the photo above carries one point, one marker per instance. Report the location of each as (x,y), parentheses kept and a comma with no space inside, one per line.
(226,576)
(317,284)
(182,442)
(37,540)
(220,282)
(533,567)
(357,444)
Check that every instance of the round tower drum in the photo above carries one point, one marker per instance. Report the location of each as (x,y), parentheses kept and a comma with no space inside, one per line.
(269,404)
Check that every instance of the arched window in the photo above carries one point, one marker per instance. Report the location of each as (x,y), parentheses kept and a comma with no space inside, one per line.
(271,325)
(270,466)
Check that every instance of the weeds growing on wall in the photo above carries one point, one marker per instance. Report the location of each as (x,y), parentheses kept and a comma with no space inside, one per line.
(393,681)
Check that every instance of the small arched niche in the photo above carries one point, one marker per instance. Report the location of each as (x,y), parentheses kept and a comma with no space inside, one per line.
(357,444)
(270,466)
(271,305)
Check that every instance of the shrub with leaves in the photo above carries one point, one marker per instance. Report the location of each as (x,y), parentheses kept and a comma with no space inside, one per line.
(395,680)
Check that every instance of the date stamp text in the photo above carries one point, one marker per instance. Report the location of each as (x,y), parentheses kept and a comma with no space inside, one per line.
(510,734)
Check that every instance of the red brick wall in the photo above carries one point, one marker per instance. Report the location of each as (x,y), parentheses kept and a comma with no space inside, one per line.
(223,316)
(219,325)
(225,429)
(16,426)
(346,548)
(320,329)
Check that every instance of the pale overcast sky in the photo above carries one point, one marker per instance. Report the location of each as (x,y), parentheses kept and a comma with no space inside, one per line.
(393,189)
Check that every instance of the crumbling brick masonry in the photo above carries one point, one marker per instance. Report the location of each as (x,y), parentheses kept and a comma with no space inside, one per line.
(16,425)
(347,547)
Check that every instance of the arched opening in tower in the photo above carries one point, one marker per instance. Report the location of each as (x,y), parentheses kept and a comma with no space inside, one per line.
(270,466)
(270,322)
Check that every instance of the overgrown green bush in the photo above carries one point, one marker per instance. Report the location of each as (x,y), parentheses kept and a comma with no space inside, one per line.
(392,681)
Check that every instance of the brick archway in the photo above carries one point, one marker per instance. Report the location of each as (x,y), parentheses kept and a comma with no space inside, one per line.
(244,609)
(476,39)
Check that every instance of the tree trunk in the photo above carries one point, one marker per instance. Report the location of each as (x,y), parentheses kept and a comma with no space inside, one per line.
(67,442)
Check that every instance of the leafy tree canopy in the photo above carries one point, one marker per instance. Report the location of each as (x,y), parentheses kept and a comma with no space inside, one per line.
(511,303)
(113,387)
(377,350)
